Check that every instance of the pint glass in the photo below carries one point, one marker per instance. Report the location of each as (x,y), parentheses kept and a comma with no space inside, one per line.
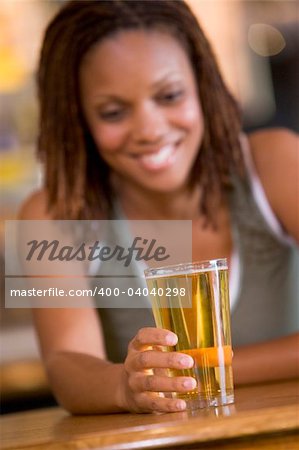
(192,300)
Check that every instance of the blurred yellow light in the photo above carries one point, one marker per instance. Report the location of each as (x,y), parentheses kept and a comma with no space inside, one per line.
(13,72)
(15,168)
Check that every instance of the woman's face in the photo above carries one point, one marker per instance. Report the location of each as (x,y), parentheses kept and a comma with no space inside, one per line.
(140,101)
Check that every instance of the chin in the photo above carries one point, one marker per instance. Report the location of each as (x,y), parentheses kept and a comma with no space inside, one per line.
(166,186)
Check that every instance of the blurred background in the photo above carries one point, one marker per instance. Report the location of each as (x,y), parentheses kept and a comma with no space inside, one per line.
(257,46)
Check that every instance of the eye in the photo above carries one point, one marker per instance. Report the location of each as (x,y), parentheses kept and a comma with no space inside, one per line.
(171,96)
(112,115)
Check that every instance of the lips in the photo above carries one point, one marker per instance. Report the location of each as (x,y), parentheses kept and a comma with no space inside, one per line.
(159,159)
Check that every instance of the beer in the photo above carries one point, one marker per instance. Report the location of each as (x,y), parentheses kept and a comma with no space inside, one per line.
(195,306)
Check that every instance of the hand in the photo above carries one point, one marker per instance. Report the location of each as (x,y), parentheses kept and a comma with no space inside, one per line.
(143,380)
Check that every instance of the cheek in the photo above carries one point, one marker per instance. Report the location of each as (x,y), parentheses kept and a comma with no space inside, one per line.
(192,116)
(109,139)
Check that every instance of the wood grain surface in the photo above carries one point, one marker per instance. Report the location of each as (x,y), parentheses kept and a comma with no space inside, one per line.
(263,416)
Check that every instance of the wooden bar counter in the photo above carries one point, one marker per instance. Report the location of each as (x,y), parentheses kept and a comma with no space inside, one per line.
(263,416)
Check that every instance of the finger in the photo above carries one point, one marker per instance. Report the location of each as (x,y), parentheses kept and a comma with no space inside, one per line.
(158,348)
(154,383)
(152,336)
(149,402)
(162,372)
(151,359)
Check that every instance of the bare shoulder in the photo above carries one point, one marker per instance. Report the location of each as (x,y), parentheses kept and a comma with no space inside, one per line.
(275,153)
(273,144)
(35,207)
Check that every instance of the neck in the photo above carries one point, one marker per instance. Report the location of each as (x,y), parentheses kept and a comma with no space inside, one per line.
(139,204)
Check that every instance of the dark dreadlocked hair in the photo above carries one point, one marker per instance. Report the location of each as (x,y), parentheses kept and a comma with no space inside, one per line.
(77,179)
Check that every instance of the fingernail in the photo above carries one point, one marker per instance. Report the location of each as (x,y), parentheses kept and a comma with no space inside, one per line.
(180,404)
(186,361)
(190,383)
(171,339)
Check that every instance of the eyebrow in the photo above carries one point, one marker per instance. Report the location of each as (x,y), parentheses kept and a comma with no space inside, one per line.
(111,98)
(167,77)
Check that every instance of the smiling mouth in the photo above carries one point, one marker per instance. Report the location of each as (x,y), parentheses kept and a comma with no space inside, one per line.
(160,159)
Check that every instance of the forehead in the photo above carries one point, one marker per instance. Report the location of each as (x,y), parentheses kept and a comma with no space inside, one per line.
(138,56)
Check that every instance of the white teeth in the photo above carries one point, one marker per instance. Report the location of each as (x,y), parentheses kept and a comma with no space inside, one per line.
(158,160)
(159,156)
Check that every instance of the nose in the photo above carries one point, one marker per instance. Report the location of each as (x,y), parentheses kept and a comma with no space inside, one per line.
(150,124)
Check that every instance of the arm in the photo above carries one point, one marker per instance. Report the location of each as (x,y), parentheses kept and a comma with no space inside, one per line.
(71,342)
(84,382)
(81,378)
(276,157)
(275,154)
(269,361)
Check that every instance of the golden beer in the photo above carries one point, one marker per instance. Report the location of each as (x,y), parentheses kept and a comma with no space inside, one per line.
(193,301)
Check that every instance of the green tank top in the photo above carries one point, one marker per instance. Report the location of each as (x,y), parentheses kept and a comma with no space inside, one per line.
(265,273)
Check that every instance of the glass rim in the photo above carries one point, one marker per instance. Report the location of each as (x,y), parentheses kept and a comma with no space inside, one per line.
(187,268)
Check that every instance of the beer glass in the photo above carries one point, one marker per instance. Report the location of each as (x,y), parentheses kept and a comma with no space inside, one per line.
(192,300)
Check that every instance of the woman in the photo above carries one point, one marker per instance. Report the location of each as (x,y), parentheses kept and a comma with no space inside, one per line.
(134,112)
